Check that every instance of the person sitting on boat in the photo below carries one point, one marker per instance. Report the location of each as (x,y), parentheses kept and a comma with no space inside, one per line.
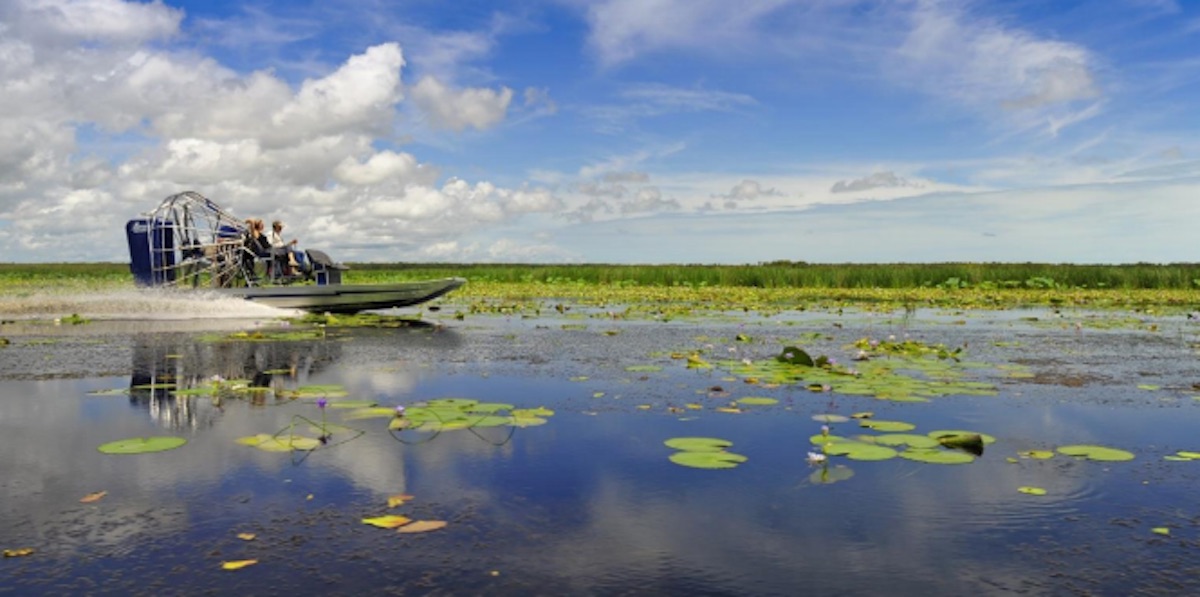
(256,242)
(295,256)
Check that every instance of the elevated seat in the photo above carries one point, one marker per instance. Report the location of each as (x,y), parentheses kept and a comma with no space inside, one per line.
(324,269)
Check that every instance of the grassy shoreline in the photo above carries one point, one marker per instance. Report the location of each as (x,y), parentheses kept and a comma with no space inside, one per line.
(766,286)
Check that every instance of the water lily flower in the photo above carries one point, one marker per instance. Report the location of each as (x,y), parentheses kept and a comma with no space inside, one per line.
(400,411)
(321,402)
(816,458)
(825,430)
(747,362)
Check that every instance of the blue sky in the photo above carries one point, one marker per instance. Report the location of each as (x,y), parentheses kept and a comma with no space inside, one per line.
(636,131)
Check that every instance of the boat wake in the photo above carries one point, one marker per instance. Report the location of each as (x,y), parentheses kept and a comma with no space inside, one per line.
(140,305)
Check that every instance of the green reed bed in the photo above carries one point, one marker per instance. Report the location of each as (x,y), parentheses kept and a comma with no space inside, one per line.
(764,286)
(1181,276)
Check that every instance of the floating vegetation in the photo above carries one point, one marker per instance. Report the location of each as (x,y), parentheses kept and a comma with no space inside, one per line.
(1037,454)
(1183,455)
(703,452)
(698,444)
(1099,453)
(1032,490)
(142,445)
(827,475)
(708,460)
(282,335)
(387,521)
(237,564)
(757,401)
(280,443)
(911,440)
(938,456)
(906,371)
(855,450)
(643,368)
(360,320)
(887,426)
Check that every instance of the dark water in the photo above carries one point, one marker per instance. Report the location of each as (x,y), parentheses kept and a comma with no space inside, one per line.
(589,503)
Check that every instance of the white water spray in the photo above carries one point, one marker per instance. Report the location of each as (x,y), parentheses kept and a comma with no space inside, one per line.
(139,305)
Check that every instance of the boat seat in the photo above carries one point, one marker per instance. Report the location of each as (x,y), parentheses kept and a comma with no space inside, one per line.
(324,269)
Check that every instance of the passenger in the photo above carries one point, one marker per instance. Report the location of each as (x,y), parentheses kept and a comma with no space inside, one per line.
(256,243)
(294,256)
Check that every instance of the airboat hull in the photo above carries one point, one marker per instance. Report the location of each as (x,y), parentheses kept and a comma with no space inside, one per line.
(346,298)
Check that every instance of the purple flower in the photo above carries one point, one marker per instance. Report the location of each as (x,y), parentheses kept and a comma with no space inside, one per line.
(321,402)
(400,411)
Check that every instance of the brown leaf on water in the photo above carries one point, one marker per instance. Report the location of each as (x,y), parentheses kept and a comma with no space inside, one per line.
(246,536)
(389,521)
(93,497)
(18,553)
(237,564)
(422,526)
(398,499)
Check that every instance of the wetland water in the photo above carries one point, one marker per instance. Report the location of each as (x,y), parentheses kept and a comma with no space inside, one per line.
(589,502)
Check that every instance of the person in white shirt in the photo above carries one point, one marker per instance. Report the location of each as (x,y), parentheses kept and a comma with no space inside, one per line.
(295,258)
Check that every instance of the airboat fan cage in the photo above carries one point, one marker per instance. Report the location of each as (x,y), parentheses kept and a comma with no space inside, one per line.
(189,241)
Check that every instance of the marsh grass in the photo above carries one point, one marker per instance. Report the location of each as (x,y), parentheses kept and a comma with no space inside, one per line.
(785,285)
(983,276)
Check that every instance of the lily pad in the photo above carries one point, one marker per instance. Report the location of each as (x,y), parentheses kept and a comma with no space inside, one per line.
(698,444)
(938,456)
(1037,454)
(707,460)
(643,368)
(540,411)
(1099,453)
(280,443)
(828,475)
(886,426)
(459,403)
(911,440)
(987,439)
(387,521)
(489,408)
(376,412)
(1032,490)
(757,401)
(142,445)
(859,451)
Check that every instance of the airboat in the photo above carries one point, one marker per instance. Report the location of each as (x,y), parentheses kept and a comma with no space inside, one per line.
(190,242)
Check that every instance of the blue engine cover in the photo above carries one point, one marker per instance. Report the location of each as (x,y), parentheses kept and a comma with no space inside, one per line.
(151,251)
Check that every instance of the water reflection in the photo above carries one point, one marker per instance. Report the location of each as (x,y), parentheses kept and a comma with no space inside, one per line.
(586,504)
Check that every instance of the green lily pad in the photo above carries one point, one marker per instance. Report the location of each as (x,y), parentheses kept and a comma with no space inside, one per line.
(987,439)
(827,475)
(757,401)
(938,456)
(527,421)
(489,408)
(280,443)
(820,439)
(911,440)
(1032,490)
(142,445)
(1161,530)
(1037,454)
(1188,455)
(859,451)
(109,392)
(1099,453)
(698,444)
(375,412)
(707,460)
(540,411)
(886,426)
(643,368)
(459,403)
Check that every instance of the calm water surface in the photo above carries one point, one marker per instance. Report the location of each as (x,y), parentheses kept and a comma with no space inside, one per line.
(589,502)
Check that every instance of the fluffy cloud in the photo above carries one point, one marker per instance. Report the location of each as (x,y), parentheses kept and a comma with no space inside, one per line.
(747,190)
(81,80)
(985,65)
(457,109)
